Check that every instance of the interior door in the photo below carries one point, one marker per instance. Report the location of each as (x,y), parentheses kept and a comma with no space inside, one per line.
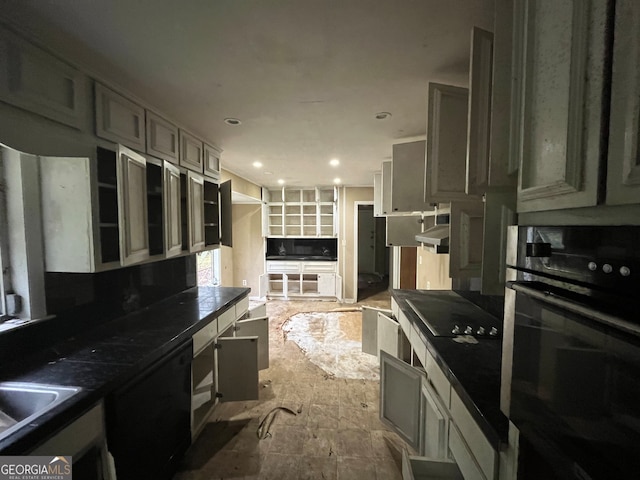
(400,389)
(256,327)
(172,214)
(132,206)
(370,329)
(388,335)
(237,359)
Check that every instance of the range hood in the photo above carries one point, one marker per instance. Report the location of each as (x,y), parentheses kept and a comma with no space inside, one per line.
(436,237)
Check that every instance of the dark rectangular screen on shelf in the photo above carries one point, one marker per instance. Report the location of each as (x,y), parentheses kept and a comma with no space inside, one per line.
(302,248)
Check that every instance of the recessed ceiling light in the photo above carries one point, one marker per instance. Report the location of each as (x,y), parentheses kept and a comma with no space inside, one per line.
(336,180)
(280,181)
(232,121)
(334,162)
(257,164)
(382,115)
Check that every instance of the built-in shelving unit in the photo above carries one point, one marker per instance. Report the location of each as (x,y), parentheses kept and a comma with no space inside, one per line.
(300,212)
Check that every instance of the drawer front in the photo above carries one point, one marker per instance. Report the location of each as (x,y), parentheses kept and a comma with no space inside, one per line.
(226,319)
(438,379)
(404,323)
(475,440)
(242,307)
(395,308)
(463,457)
(204,336)
(283,267)
(318,267)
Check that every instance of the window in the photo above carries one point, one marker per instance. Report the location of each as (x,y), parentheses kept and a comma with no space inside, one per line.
(208,266)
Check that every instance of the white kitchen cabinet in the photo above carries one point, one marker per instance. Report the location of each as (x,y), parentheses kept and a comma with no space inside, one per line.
(499,214)
(211,161)
(557,119)
(105,199)
(466,239)
(402,229)
(194,187)
(387,174)
(172,210)
(407,183)
(479,117)
(623,167)
(118,119)
(227,356)
(326,284)
(377,194)
(162,138)
(300,279)
(191,152)
(36,81)
(370,328)
(446,156)
(426,468)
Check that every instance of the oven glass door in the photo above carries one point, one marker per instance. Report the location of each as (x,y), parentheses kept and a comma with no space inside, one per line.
(575,392)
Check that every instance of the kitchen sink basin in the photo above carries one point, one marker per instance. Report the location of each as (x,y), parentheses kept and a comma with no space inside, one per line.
(21,403)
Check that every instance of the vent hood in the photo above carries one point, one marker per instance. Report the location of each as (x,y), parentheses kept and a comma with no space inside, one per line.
(436,237)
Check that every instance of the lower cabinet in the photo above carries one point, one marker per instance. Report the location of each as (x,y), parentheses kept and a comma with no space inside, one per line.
(293,278)
(84,440)
(227,355)
(148,428)
(419,404)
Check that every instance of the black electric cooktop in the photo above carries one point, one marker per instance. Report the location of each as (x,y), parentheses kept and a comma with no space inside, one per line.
(447,314)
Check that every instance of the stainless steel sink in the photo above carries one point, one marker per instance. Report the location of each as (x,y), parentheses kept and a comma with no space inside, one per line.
(22,403)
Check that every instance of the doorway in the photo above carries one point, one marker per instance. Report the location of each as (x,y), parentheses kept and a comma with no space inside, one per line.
(372,253)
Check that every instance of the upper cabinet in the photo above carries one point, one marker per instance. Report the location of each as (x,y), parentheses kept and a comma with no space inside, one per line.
(623,171)
(557,107)
(300,212)
(118,119)
(479,117)
(34,80)
(386,188)
(191,152)
(211,162)
(446,156)
(162,138)
(407,188)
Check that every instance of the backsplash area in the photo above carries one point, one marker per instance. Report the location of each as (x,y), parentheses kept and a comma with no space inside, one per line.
(470,289)
(82,301)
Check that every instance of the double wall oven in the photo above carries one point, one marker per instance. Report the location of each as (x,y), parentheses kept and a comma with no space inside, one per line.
(572,373)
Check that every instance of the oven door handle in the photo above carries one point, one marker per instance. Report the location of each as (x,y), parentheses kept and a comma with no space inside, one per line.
(574,307)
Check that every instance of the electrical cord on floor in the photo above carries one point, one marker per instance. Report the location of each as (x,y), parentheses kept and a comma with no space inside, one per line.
(265,424)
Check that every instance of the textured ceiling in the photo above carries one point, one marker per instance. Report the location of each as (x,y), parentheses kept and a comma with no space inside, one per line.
(305,77)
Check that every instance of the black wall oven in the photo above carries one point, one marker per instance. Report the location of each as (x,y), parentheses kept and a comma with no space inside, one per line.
(575,373)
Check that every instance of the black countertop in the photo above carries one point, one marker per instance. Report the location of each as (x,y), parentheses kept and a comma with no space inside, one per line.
(473,369)
(311,258)
(108,356)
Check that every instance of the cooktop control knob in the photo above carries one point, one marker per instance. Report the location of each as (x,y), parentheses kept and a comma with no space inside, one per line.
(468,330)
(493,332)
(593,266)
(456,330)
(606,268)
(625,271)
(480,331)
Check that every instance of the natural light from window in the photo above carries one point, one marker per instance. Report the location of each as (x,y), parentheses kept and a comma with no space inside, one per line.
(208,266)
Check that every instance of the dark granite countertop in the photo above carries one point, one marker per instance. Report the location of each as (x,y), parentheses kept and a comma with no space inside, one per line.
(108,356)
(309,258)
(473,370)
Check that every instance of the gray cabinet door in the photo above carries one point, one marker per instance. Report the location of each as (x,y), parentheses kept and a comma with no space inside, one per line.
(119,119)
(386,188)
(402,230)
(195,212)
(499,213)
(388,335)
(237,360)
(400,390)
(190,152)
(436,424)
(162,138)
(370,328)
(32,79)
(132,206)
(211,166)
(172,210)
(256,327)
(466,239)
(226,215)
(407,179)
